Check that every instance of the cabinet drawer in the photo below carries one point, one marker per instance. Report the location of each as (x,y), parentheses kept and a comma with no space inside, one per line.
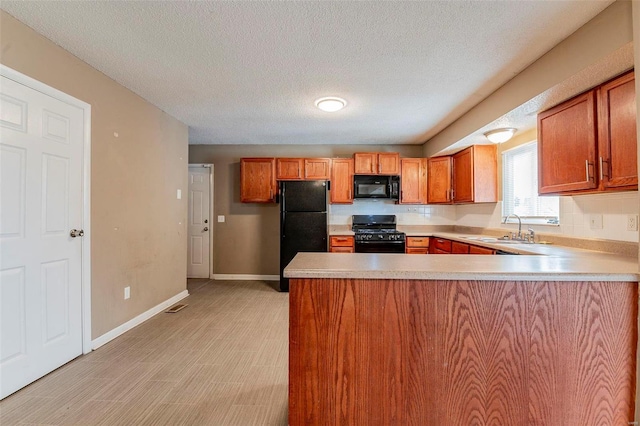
(341,249)
(480,250)
(417,241)
(417,250)
(345,241)
(442,244)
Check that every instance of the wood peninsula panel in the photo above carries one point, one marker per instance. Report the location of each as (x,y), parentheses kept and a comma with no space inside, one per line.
(403,352)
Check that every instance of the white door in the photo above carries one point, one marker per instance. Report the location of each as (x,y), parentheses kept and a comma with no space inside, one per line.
(198,252)
(41,149)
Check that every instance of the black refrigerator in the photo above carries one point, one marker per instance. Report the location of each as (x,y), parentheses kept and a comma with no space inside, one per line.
(303,221)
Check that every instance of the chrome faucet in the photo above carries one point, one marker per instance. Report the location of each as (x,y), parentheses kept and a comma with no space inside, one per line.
(519,236)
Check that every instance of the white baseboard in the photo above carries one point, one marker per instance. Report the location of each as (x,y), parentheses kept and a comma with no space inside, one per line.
(246,277)
(110,335)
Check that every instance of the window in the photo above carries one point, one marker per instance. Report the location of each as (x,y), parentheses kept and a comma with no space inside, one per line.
(520,187)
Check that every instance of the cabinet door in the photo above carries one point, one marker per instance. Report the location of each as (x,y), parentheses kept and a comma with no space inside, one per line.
(388,163)
(317,168)
(440,245)
(617,143)
(567,146)
(485,173)
(463,179)
(413,183)
(439,180)
(341,189)
(459,248)
(366,163)
(289,168)
(480,250)
(257,180)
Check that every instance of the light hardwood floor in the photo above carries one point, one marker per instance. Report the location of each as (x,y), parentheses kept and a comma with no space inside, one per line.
(223,360)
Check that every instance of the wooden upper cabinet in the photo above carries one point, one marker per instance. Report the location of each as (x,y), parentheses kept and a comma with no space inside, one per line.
(290,168)
(377,163)
(589,143)
(413,183)
(463,176)
(617,142)
(303,168)
(258,180)
(439,180)
(366,163)
(567,146)
(475,175)
(317,168)
(341,189)
(388,163)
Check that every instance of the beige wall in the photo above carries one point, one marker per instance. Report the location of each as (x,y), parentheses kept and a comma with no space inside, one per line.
(138,232)
(248,242)
(604,34)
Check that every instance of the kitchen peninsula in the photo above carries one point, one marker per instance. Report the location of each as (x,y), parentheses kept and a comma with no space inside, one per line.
(394,339)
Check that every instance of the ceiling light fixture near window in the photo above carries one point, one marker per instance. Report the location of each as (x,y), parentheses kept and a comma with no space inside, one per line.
(331,104)
(500,135)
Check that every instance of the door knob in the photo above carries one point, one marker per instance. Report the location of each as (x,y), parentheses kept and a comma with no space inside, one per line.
(76,233)
(206,228)
(206,221)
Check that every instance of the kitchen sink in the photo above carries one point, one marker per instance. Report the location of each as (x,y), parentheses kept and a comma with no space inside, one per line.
(495,240)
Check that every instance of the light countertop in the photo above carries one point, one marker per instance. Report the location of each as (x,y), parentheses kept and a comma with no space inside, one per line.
(536,262)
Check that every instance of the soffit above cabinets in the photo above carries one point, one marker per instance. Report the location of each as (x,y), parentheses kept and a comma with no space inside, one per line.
(249,72)
(524,117)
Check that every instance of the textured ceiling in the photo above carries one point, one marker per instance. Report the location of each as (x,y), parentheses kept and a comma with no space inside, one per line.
(248,72)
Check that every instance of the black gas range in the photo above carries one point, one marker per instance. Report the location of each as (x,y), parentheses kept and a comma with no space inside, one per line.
(377,234)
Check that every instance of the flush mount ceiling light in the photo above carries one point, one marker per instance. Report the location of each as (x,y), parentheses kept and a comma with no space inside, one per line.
(500,135)
(330,104)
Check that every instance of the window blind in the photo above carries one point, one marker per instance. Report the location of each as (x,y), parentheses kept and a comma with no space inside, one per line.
(520,185)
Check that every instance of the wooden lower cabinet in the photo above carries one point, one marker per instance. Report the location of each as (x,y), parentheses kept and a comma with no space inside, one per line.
(341,244)
(440,246)
(417,245)
(459,248)
(435,352)
(480,250)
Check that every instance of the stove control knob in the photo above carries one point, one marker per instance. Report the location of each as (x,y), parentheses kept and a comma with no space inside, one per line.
(381,236)
(369,236)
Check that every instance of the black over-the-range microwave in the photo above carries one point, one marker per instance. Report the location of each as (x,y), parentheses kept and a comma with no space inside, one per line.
(367,186)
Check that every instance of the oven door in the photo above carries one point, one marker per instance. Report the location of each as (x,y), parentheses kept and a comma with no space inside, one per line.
(379,246)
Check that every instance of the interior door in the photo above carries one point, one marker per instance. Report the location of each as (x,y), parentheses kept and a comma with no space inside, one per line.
(41,149)
(198,250)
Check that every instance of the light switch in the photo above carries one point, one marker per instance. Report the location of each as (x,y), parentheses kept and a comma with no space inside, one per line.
(220,219)
(179,194)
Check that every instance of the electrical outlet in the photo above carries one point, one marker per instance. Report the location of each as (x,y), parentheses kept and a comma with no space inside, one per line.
(179,194)
(632,222)
(127,293)
(595,221)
